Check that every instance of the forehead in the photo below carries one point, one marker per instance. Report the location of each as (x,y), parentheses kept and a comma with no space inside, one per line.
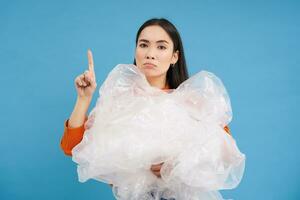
(154,33)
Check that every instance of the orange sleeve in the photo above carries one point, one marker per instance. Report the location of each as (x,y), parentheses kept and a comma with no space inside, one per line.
(71,137)
(226,128)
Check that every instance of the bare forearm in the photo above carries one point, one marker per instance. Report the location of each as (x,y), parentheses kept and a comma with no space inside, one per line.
(79,112)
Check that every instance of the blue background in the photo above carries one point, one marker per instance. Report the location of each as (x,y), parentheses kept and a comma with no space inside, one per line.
(253,46)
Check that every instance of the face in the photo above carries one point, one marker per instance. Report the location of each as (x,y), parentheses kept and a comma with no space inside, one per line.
(156,48)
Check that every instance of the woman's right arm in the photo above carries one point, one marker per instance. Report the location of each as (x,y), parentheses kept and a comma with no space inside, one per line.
(85,85)
(74,126)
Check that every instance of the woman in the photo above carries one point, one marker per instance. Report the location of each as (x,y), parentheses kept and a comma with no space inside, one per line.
(159,55)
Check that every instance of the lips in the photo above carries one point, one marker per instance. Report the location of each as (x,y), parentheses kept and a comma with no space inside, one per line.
(149,65)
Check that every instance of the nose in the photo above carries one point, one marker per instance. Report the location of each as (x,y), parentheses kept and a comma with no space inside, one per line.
(150,54)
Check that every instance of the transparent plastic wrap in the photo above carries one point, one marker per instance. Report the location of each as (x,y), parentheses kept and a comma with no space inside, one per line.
(135,125)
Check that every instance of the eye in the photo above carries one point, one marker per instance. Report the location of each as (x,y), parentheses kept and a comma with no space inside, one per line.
(163,47)
(142,45)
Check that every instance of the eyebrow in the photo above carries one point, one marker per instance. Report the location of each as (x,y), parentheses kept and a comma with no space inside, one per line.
(147,41)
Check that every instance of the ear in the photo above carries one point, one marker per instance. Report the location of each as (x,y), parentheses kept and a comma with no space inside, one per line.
(175,57)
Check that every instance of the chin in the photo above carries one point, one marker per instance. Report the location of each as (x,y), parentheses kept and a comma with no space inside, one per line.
(152,74)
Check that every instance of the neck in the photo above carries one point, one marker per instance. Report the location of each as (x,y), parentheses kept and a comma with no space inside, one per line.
(158,82)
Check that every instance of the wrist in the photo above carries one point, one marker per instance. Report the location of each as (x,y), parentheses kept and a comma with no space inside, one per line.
(82,104)
(84,99)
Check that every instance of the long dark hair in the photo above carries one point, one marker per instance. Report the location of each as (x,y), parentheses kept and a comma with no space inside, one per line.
(178,73)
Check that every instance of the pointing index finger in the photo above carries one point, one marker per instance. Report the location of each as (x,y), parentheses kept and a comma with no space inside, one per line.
(91,61)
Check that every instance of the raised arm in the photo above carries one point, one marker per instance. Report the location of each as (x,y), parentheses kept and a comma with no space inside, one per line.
(85,85)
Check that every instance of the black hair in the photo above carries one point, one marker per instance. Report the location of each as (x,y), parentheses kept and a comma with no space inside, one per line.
(178,73)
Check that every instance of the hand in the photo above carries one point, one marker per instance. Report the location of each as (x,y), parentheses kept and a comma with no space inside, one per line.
(156,169)
(86,83)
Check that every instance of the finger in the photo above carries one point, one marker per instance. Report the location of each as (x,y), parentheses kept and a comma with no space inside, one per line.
(77,84)
(83,81)
(157,174)
(158,164)
(85,75)
(88,78)
(77,81)
(91,61)
(155,167)
(88,75)
(93,84)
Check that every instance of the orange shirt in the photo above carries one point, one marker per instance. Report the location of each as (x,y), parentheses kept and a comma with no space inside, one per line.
(73,136)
